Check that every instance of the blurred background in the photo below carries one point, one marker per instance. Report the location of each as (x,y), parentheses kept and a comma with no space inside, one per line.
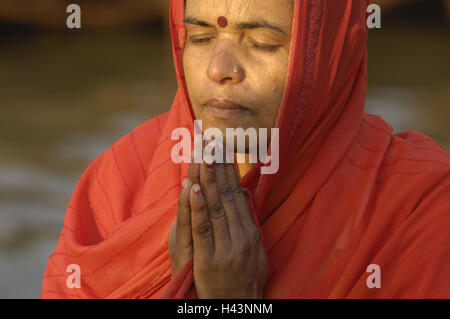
(67,95)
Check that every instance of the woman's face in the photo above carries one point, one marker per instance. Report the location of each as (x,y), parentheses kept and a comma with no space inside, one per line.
(244,62)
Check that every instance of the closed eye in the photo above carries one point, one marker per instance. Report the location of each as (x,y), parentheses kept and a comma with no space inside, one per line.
(256,45)
(198,40)
(262,47)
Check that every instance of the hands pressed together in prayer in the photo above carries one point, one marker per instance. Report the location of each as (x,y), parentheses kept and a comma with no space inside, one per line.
(214,225)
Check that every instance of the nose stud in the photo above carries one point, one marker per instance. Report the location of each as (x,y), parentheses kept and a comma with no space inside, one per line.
(222,21)
(235,69)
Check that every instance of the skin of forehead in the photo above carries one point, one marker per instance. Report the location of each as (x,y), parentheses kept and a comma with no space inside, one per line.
(234,9)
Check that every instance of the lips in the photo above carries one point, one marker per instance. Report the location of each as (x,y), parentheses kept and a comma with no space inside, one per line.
(224,109)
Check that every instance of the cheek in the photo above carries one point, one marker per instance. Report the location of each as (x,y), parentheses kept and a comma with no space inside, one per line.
(276,90)
(188,68)
(192,64)
(271,92)
(278,85)
(192,75)
(271,74)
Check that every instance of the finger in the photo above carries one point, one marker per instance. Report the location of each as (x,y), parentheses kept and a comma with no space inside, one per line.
(216,211)
(226,198)
(240,200)
(194,171)
(202,232)
(183,237)
(172,241)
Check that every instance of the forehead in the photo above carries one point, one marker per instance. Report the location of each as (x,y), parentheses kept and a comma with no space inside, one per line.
(278,11)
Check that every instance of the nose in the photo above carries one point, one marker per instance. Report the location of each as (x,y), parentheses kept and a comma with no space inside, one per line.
(224,68)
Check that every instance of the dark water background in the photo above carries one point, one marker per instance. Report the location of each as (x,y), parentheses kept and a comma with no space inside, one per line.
(66,96)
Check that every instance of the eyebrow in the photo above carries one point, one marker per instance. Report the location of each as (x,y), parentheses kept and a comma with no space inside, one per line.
(241,25)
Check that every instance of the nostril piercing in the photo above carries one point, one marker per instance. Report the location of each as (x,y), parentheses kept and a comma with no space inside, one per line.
(235,69)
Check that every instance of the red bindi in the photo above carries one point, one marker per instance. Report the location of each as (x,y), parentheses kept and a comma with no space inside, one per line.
(222,21)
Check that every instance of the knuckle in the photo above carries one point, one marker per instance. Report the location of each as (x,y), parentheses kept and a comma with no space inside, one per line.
(236,188)
(226,194)
(216,210)
(181,222)
(185,247)
(203,229)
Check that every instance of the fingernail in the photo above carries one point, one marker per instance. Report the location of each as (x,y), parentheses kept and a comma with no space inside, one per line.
(196,189)
(209,167)
(186,183)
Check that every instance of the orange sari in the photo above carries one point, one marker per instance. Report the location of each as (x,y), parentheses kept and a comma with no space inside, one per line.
(349,193)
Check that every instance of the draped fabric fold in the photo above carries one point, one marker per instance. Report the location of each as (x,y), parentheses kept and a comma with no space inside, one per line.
(349,193)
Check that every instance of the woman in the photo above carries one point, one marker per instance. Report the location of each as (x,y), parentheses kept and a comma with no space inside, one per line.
(353,210)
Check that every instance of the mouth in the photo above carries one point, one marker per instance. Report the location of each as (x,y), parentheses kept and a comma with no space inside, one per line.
(223,109)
